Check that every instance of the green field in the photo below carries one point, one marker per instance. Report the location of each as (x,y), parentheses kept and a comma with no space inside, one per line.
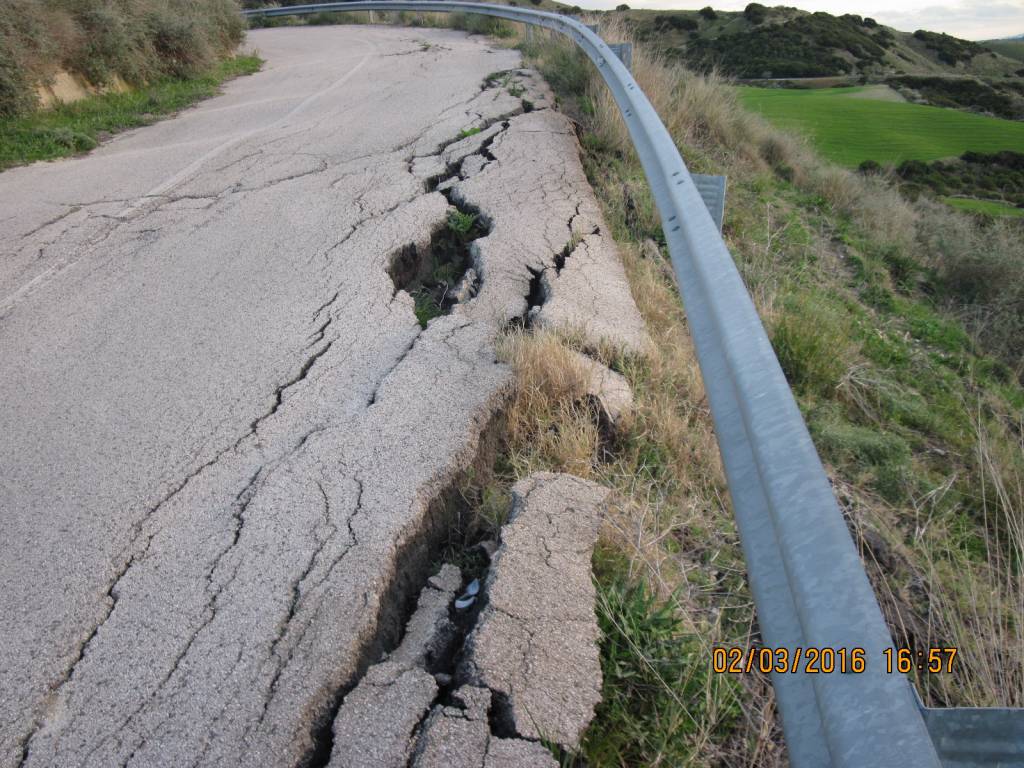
(988,207)
(848,128)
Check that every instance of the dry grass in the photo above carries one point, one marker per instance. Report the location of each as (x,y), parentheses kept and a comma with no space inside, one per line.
(672,520)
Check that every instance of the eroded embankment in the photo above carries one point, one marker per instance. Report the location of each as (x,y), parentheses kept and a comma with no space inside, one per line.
(321,523)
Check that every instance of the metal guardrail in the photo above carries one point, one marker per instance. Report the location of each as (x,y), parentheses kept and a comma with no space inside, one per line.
(806,576)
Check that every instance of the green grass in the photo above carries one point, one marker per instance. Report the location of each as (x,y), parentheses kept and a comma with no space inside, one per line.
(78,127)
(986,207)
(852,130)
(657,682)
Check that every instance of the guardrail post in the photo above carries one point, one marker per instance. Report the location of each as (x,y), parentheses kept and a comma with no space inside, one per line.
(625,53)
(529,33)
(712,190)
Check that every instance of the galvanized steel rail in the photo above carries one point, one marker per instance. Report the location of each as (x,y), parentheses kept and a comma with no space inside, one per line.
(807,579)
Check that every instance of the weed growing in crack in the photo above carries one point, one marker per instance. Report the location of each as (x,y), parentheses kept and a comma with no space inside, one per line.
(465,133)
(461,223)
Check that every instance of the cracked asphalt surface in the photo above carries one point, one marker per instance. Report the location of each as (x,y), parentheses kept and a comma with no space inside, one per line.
(225,433)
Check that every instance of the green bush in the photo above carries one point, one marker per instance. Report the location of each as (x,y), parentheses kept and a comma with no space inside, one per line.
(476,24)
(137,40)
(950,50)
(15,93)
(567,70)
(755,13)
(805,46)
(964,93)
(665,22)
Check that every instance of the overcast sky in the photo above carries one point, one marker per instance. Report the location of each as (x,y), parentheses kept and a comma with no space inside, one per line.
(970,19)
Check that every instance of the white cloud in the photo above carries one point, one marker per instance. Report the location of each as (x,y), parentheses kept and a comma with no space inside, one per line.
(970,19)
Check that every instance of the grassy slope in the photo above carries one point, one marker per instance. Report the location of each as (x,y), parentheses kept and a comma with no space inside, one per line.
(988,207)
(1013,49)
(78,127)
(851,130)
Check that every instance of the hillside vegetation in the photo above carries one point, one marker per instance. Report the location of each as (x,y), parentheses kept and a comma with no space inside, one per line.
(781,42)
(1013,49)
(136,41)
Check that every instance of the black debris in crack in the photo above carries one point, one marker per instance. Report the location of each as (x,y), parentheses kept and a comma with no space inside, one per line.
(485,147)
(563,255)
(500,718)
(536,296)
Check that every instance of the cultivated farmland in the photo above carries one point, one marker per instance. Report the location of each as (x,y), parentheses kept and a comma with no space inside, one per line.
(849,129)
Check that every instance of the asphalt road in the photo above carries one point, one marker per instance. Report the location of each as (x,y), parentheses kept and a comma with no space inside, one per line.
(224,433)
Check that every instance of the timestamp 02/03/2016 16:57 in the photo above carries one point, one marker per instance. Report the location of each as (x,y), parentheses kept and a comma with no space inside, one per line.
(827,660)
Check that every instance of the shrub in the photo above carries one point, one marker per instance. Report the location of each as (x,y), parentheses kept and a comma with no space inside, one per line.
(962,93)
(666,22)
(708,13)
(950,50)
(755,13)
(656,678)
(15,93)
(138,40)
(622,7)
(801,47)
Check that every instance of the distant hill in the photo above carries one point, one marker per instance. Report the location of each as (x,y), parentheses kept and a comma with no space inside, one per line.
(1013,47)
(781,42)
